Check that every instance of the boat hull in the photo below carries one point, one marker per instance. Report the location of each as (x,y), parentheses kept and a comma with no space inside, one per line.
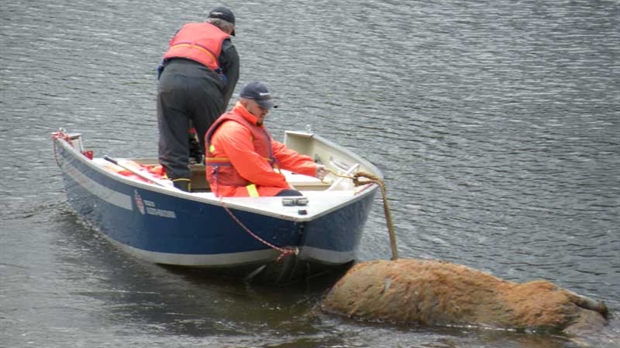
(158,226)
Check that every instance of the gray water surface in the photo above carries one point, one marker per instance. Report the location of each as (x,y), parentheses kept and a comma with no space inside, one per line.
(496,124)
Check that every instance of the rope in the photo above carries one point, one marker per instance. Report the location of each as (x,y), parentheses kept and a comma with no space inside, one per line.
(283,251)
(386,209)
(60,135)
(357,182)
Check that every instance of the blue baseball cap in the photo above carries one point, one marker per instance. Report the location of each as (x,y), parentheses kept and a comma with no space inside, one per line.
(259,93)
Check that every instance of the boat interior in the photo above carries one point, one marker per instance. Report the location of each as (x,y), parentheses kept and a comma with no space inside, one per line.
(338,161)
(299,181)
(341,165)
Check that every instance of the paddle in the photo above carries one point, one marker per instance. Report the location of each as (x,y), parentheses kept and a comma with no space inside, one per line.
(110,159)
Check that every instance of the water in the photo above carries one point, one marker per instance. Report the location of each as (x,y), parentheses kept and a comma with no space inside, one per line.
(497,126)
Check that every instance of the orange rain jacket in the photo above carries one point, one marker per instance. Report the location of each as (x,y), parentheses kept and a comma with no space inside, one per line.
(244,161)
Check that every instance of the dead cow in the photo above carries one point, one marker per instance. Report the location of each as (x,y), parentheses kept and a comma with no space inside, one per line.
(441,293)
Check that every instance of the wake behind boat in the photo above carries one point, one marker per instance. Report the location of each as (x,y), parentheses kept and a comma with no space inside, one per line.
(143,214)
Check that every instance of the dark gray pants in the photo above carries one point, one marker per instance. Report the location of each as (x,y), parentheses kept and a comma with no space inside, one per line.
(187,91)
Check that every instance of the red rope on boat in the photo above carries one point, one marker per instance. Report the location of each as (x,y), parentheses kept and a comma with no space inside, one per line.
(283,251)
(63,136)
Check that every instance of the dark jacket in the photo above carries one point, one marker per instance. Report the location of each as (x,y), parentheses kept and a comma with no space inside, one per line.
(229,62)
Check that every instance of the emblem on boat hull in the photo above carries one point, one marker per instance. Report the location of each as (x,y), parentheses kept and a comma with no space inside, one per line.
(139,202)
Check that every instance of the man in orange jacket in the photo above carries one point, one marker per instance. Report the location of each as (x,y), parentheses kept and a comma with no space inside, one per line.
(242,158)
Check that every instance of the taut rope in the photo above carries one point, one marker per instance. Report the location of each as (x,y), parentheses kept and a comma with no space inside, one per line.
(388,216)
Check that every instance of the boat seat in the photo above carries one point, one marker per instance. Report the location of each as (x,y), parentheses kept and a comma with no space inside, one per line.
(305,182)
(199,178)
(340,182)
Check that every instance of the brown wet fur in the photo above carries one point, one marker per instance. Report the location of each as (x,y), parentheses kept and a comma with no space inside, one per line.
(441,293)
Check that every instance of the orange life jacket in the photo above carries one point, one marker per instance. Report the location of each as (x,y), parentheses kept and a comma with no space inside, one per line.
(200,42)
(219,170)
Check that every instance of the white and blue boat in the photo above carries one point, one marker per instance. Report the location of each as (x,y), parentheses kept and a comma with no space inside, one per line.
(144,215)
